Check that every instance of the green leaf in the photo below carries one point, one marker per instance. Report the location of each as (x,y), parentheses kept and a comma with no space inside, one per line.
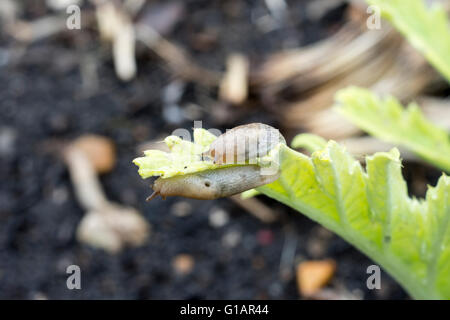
(427,29)
(371,209)
(249,194)
(388,120)
(308,141)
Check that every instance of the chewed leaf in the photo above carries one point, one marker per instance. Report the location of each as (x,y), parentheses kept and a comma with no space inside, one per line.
(153,163)
(203,137)
(183,147)
(184,158)
(371,209)
(169,165)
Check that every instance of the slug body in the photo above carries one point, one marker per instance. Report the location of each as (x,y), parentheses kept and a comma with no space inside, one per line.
(243,144)
(213,184)
(240,146)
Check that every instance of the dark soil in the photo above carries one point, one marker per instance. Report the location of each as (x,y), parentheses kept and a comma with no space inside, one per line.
(43,103)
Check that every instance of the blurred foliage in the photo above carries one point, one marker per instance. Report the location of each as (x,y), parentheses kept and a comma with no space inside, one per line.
(308,141)
(388,120)
(427,29)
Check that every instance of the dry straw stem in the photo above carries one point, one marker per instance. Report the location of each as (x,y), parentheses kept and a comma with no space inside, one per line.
(115,26)
(234,85)
(38,29)
(256,208)
(310,66)
(281,68)
(407,78)
(322,97)
(9,10)
(345,59)
(179,62)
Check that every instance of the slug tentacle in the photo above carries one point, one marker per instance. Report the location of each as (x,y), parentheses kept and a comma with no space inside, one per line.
(152,196)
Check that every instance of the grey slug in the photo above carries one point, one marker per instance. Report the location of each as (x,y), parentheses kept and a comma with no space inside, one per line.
(239,145)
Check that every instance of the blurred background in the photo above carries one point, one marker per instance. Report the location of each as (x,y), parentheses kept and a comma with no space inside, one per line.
(80,101)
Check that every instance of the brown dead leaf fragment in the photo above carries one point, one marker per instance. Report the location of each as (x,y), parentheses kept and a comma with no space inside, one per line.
(100,150)
(116,26)
(313,275)
(183,264)
(106,224)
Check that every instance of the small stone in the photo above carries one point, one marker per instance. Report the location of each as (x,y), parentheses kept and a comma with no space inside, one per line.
(204,41)
(39,296)
(59,195)
(231,239)
(313,275)
(58,123)
(318,243)
(173,114)
(181,209)
(258,262)
(128,196)
(62,264)
(193,111)
(276,289)
(7,141)
(141,132)
(265,237)
(173,92)
(183,264)
(218,218)
(4,57)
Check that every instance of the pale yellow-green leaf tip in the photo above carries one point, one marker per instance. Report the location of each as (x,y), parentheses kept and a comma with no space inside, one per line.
(184,157)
